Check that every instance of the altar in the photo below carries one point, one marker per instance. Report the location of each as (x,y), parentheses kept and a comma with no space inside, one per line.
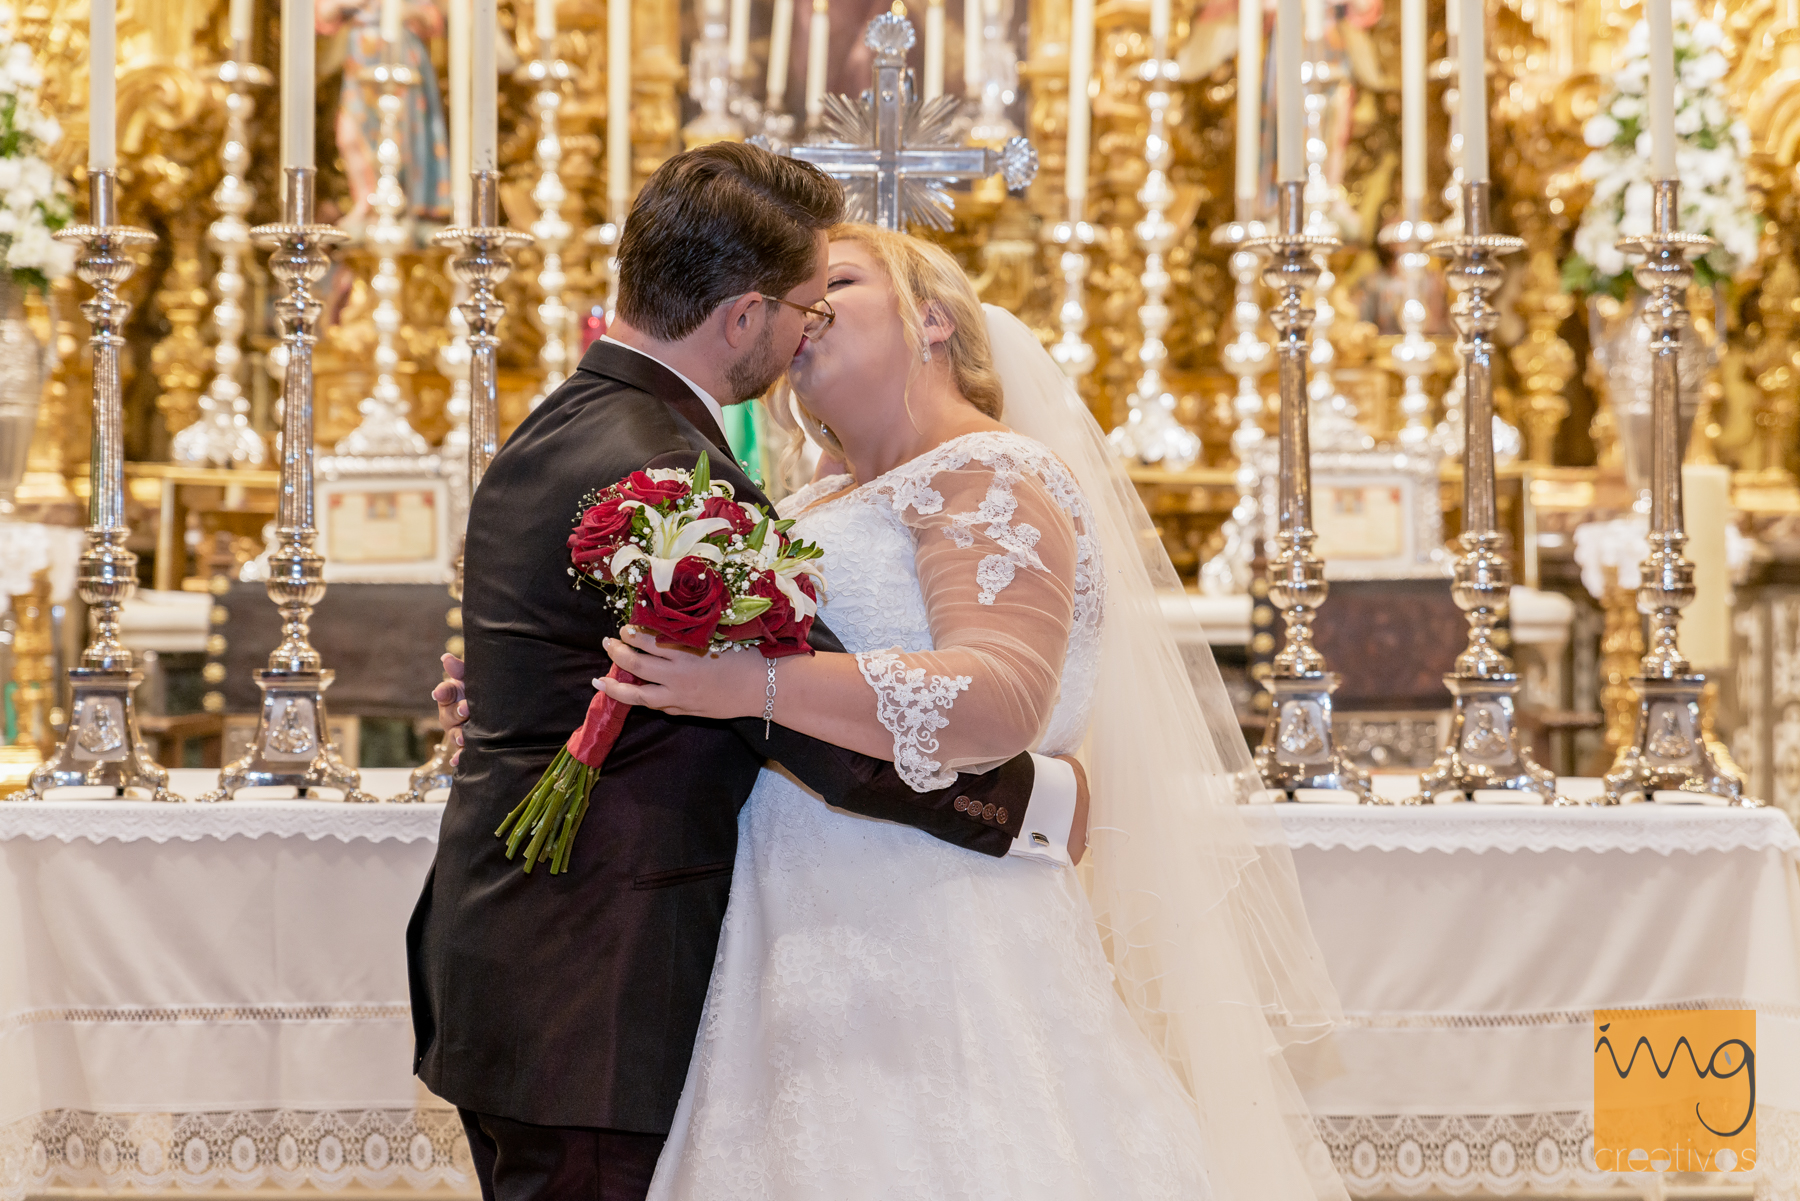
(196,996)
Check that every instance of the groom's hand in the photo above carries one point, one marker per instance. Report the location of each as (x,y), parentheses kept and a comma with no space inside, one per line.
(452,706)
(1077,827)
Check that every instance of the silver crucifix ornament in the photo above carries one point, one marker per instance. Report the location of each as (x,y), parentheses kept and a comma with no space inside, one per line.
(893,151)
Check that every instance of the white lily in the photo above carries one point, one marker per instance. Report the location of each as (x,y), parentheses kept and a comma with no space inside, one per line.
(670,542)
(787,573)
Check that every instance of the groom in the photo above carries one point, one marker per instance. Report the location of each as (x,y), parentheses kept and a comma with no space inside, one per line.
(559,1012)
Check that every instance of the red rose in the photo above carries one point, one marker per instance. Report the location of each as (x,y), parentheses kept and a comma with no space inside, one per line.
(600,533)
(730,510)
(653,492)
(778,631)
(688,612)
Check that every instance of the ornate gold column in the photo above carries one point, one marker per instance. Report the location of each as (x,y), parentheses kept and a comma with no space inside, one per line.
(31,672)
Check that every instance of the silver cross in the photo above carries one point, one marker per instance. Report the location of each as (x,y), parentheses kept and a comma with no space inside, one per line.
(893,152)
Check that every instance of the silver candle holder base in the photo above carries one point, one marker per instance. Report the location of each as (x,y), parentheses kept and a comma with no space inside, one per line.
(1298,751)
(1484,753)
(1667,752)
(291,748)
(103,748)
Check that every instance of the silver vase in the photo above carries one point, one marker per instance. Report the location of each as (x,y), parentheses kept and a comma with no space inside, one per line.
(1621,343)
(21,387)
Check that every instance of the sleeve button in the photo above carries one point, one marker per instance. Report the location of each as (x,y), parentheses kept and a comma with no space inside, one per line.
(962,804)
(1000,815)
(987,811)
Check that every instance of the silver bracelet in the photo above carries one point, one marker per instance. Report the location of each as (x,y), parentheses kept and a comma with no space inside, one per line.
(769,705)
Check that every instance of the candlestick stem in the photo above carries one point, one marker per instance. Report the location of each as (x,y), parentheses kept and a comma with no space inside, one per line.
(1334,415)
(480,262)
(103,748)
(1413,355)
(551,230)
(1246,356)
(1298,750)
(222,436)
(1071,351)
(1668,751)
(1151,434)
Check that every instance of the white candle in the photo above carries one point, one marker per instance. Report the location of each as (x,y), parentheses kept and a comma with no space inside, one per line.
(1662,88)
(974,43)
(240,22)
(781,40)
(484,126)
(1249,105)
(818,49)
(1081,70)
(390,22)
(1452,19)
(103,60)
(1705,630)
(1159,24)
(1290,128)
(618,108)
(543,19)
(460,30)
(296,82)
(934,49)
(737,43)
(1473,46)
(1412,100)
(1314,12)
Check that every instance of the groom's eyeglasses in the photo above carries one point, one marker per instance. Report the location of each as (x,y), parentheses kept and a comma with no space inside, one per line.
(818,318)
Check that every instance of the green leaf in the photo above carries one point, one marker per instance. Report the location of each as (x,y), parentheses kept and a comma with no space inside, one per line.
(702,475)
(784,526)
(745,608)
(758,534)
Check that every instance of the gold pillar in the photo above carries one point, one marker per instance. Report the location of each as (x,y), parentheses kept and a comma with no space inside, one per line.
(33,676)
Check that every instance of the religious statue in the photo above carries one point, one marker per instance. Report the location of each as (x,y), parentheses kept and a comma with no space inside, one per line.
(425,141)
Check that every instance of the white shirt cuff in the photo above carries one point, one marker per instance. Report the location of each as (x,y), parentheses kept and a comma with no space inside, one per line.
(1050,814)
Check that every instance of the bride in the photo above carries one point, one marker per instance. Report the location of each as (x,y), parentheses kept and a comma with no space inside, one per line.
(891,1016)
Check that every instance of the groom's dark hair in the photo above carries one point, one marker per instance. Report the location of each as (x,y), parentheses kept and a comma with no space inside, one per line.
(714,223)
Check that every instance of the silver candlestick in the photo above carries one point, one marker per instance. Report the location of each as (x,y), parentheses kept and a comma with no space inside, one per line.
(1247,357)
(605,238)
(103,748)
(384,430)
(292,746)
(1334,416)
(1150,433)
(481,263)
(1484,751)
(1668,751)
(1298,750)
(551,229)
(222,436)
(1071,351)
(1414,353)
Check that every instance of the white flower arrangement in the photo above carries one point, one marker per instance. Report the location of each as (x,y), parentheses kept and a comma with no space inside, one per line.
(34,200)
(1709,158)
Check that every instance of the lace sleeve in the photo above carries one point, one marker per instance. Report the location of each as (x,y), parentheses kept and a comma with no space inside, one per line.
(996,557)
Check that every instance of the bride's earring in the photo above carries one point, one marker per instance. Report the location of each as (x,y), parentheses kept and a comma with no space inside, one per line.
(925,353)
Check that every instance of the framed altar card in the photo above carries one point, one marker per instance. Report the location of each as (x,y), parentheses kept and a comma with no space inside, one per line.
(1376,513)
(377,529)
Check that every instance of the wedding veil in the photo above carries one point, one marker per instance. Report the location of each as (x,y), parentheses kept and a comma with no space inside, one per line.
(1195,895)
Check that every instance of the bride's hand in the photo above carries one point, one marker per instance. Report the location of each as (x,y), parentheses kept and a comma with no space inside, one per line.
(686,682)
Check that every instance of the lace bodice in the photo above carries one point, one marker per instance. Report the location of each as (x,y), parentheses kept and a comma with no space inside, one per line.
(969,585)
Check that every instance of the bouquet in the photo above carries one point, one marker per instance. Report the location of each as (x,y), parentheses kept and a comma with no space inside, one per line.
(34,200)
(1712,146)
(675,553)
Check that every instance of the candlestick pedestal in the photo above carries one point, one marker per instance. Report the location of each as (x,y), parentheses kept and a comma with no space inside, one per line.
(481,261)
(1246,356)
(1668,750)
(1071,351)
(103,748)
(1298,750)
(291,748)
(1484,752)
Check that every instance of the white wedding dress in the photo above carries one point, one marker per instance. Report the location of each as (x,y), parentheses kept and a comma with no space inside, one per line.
(891,1016)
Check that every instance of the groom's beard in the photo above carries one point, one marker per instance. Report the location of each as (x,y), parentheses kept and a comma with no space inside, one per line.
(757,369)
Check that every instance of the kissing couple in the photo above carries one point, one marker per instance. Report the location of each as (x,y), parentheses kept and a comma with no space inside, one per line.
(848,954)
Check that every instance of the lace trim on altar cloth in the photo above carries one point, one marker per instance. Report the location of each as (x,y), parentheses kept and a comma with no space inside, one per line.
(399,1011)
(1543,1017)
(1540,1152)
(135,821)
(908,704)
(239,1149)
(1664,830)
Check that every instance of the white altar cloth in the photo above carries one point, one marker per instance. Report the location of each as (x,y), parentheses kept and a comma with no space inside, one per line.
(203,995)
(1471,944)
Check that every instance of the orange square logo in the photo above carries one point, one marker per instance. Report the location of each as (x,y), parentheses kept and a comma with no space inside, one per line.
(1675,1090)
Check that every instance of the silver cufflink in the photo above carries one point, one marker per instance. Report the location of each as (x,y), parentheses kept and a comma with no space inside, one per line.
(1039,839)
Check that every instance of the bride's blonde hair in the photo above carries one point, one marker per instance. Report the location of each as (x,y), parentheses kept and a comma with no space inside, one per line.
(926,277)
